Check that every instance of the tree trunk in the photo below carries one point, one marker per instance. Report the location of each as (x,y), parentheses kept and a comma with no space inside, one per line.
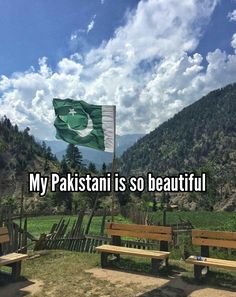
(91,215)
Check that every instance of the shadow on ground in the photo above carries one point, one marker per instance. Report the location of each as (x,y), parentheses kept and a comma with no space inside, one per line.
(178,288)
(145,267)
(19,288)
(171,281)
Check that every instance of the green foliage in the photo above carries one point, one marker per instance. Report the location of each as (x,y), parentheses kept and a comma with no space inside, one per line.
(154,205)
(205,220)
(64,168)
(9,201)
(74,157)
(123,197)
(20,153)
(230,224)
(20,147)
(92,168)
(104,169)
(80,201)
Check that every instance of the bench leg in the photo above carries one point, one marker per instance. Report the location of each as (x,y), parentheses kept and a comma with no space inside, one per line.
(167,262)
(197,272)
(155,265)
(205,253)
(104,259)
(16,270)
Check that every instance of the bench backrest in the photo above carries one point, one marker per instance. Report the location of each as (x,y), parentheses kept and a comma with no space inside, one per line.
(160,233)
(4,235)
(214,238)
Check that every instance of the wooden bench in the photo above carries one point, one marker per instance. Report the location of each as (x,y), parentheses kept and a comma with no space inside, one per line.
(116,231)
(13,259)
(208,239)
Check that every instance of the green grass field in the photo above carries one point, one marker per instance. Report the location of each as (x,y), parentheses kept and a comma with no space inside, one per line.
(43,224)
(199,219)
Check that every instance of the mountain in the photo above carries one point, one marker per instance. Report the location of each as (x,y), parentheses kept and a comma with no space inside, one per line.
(91,155)
(201,137)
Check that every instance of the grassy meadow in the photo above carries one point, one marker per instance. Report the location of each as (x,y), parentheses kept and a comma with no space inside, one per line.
(43,224)
(199,219)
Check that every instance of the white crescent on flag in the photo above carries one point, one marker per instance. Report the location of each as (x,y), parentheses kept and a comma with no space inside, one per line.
(85,132)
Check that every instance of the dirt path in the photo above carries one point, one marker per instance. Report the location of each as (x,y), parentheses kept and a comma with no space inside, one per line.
(155,286)
(139,285)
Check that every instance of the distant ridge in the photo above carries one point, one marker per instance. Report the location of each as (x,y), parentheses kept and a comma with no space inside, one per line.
(95,156)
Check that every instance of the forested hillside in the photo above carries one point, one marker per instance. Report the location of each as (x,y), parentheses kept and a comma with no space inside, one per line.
(202,137)
(21,154)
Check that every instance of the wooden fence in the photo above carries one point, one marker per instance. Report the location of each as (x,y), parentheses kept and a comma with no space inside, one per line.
(20,238)
(72,236)
(138,216)
(65,236)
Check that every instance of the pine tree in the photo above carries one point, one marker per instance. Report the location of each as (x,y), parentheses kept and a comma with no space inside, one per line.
(49,154)
(63,166)
(44,148)
(74,157)
(104,168)
(64,197)
(154,205)
(92,168)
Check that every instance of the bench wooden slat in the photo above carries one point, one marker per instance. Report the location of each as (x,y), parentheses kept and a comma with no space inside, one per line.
(4,238)
(207,239)
(116,231)
(132,251)
(3,230)
(226,264)
(154,236)
(214,242)
(11,258)
(214,234)
(139,228)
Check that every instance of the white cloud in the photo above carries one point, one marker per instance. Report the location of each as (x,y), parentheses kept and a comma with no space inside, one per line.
(5,83)
(91,24)
(73,36)
(102,2)
(148,69)
(233,42)
(68,66)
(232,16)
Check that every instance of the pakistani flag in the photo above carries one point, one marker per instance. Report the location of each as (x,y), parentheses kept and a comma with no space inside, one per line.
(78,122)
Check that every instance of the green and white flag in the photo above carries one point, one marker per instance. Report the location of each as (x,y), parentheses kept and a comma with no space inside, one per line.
(78,122)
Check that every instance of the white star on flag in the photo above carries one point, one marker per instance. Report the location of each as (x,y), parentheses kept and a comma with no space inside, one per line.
(72,111)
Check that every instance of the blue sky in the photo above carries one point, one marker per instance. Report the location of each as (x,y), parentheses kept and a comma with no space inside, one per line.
(33,29)
(151,58)
(218,32)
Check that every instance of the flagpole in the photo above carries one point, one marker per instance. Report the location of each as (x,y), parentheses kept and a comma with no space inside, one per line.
(113,169)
